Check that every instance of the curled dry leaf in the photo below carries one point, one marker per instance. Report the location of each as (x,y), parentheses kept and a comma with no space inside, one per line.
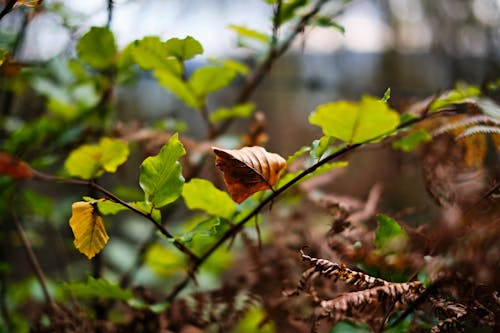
(11,167)
(248,170)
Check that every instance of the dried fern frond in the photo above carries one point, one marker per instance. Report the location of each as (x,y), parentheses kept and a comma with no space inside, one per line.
(453,312)
(334,271)
(376,301)
(464,123)
(204,309)
(479,129)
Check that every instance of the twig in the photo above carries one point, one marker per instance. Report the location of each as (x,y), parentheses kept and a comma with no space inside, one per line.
(35,265)
(8,7)
(45,177)
(273,54)
(110,13)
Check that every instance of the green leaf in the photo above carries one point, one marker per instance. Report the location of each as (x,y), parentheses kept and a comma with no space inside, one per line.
(97,48)
(255,320)
(148,208)
(160,176)
(238,111)
(151,53)
(178,87)
(165,261)
(412,140)
(202,194)
(324,21)
(97,288)
(91,161)
(3,56)
(350,327)
(292,158)
(236,66)
(355,122)
(183,49)
(206,80)
(389,236)
(387,95)
(205,233)
(250,33)
(289,8)
(456,96)
(319,147)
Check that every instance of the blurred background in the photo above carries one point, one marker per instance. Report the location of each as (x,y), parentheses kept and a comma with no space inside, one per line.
(416,47)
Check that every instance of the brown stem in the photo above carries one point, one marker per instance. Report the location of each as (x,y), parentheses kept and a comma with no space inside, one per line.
(45,177)
(276,50)
(8,7)
(35,265)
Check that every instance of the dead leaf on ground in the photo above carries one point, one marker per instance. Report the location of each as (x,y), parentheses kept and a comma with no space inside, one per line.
(248,170)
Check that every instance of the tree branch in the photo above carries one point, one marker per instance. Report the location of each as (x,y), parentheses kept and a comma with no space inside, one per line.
(35,265)
(45,177)
(276,50)
(8,7)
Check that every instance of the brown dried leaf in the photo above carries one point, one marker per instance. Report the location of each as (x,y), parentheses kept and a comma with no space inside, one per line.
(248,170)
(11,167)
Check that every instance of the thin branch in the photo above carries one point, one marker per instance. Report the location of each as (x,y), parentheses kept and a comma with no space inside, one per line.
(276,50)
(110,13)
(8,7)
(45,177)
(35,265)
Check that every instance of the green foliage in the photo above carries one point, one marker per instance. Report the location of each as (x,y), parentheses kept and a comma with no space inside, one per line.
(204,232)
(202,194)
(355,122)
(456,96)
(97,48)
(324,21)
(208,79)
(389,236)
(165,261)
(3,55)
(387,95)
(237,111)
(91,161)
(411,141)
(97,288)
(255,320)
(319,147)
(288,10)
(350,327)
(179,88)
(150,53)
(160,176)
(244,32)
(183,49)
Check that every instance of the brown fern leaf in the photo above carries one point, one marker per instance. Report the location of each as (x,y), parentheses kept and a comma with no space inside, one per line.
(371,305)
(216,308)
(454,313)
(336,272)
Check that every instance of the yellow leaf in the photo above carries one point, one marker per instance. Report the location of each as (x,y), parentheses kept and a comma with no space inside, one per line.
(88,228)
